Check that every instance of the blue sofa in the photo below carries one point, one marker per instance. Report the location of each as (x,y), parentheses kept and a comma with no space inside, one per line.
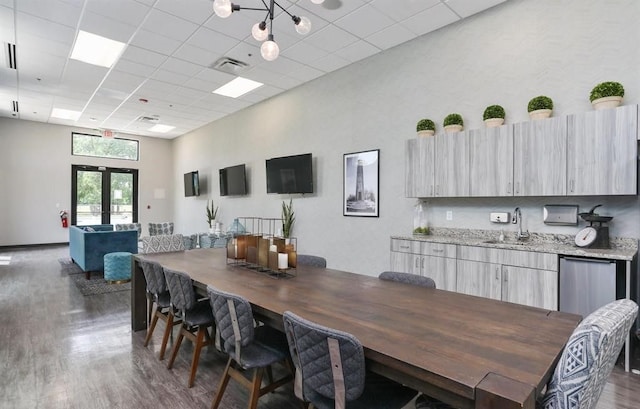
(87,248)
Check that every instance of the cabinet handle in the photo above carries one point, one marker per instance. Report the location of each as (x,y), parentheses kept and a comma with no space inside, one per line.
(497,273)
(517,187)
(437,190)
(404,247)
(422,262)
(431,194)
(571,185)
(509,187)
(438,250)
(417,265)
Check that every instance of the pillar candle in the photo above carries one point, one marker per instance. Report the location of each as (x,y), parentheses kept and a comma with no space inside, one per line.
(283,261)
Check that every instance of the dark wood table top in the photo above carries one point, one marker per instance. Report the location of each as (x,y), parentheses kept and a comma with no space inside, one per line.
(469,351)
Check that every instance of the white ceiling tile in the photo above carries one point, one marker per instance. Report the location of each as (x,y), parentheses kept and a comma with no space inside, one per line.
(7,30)
(41,28)
(391,36)
(155,42)
(125,11)
(39,45)
(331,38)
(34,65)
(132,67)
(80,73)
(430,19)
(51,10)
(170,77)
(196,11)
(143,56)
(237,25)
(169,25)
(107,27)
(6,3)
(466,8)
(364,21)
(330,63)
(210,40)
(332,14)
(181,67)
(304,53)
(123,81)
(406,9)
(196,55)
(358,51)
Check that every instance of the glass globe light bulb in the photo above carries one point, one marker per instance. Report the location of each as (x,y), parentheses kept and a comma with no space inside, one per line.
(303,26)
(317,1)
(259,33)
(269,50)
(222,8)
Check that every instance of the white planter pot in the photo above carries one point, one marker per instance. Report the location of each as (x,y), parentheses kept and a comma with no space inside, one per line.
(493,122)
(540,114)
(424,134)
(606,102)
(452,128)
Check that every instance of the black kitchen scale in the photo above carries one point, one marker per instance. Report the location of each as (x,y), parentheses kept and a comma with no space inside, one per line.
(596,235)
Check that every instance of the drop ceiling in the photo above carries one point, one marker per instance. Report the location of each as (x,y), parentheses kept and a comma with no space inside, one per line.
(165,74)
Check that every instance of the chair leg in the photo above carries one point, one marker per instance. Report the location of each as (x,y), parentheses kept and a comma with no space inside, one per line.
(152,327)
(255,387)
(176,347)
(165,338)
(223,385)
(196,354)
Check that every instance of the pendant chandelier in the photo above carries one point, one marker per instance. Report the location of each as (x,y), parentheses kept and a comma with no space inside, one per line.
(263,30)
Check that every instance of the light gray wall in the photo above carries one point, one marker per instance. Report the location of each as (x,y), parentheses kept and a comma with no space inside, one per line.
(35,180)
(506,55)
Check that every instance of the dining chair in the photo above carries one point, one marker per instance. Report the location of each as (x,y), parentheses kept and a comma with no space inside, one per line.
(309,260)
(160,300)
(331,373)
(586,362)
(196,317)
(407,278)
(250,348)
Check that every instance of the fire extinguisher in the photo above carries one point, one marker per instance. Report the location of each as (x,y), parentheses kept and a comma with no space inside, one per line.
(64,218)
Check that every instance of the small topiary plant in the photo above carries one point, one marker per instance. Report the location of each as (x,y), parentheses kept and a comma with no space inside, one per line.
(606,89)
(425,125)
(540,102)
(453,119)
(493,111)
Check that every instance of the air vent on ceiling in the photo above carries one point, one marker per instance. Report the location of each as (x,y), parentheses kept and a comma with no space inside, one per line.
(14,106)
(10,50)
(148,119)
(229,65)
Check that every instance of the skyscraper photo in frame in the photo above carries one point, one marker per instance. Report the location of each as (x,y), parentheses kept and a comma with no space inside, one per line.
(361,184)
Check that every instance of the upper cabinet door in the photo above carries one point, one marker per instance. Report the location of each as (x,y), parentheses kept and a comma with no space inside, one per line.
(452,165)
(602,152)
(491,161)
(540,157)
(419,167)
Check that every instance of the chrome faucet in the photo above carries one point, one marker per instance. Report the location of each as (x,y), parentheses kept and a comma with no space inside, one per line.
(517,219)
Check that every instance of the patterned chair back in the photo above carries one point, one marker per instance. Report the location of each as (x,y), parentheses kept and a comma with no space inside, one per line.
(180,286)
(234,320)
(313,347)
(156,229)
(309,260)
(154,275)
(589,357)
(407,278)
(163,243)
(130,226)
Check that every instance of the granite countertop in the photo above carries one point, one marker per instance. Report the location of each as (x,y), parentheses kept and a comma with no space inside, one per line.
(621,248)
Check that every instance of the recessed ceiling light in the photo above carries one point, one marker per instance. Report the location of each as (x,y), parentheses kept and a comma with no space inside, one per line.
(65,114)
(96,50)
(161,128)
(237,87)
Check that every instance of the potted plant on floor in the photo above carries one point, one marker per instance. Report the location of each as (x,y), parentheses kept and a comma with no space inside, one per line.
(453,123)
(212,213)
(425,127)
(606,95)
(540,107)
(493,116)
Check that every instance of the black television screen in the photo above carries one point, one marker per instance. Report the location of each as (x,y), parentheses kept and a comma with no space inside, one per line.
(191,184)
(233,181)
(290,174)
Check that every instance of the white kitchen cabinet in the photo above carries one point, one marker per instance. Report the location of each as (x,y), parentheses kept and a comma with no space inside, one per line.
(528,286)
(452,164)
(420,167)
(540,157)
(478,278)
(491,161)
(602,152)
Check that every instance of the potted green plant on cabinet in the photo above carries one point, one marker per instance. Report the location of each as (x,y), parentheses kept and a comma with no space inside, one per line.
(493,116)
(425,127)
(540,107)
(212,213)
(606,95)
(288,218)
(453,123)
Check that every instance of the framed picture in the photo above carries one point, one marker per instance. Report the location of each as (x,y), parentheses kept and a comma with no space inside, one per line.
(361,184)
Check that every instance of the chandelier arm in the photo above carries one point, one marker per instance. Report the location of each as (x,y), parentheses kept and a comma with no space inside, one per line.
(283,9)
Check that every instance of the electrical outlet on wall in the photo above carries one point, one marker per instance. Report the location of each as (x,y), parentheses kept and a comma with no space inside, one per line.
(449,214)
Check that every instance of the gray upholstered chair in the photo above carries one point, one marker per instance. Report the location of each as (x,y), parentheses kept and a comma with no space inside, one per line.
(190,242)
(158,294)
(130,226)
(407,278)
(249,348)
(163,243)
(156,229)
(586,362)
(309,260)
(196,317)
(317,351)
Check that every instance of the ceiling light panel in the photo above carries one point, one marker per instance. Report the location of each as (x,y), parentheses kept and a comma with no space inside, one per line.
(161,128)
(96,50)
(65,114)
(237,87)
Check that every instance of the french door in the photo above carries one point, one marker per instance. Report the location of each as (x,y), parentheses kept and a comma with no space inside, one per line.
(101,195)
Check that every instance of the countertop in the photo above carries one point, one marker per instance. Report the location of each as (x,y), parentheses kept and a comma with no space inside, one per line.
(621,248)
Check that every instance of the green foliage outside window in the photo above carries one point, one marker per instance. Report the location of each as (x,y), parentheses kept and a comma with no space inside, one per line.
(113,148)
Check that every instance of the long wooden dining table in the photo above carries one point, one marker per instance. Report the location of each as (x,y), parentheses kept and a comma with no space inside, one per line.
(468,351)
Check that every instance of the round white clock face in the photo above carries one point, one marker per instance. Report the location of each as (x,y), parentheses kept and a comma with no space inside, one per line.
(586,237)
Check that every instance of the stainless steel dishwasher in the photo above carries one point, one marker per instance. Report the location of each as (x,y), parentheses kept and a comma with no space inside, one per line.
(587,284)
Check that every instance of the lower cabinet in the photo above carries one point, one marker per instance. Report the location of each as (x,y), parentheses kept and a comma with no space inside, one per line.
(529,286)
(481,279)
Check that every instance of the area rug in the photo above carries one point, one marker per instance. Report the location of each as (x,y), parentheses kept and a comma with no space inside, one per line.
(97,284)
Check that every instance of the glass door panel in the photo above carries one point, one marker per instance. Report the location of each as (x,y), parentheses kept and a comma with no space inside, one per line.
(121,198)
(88,205)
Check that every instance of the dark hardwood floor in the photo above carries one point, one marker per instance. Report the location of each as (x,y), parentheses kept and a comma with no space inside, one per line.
(60,349)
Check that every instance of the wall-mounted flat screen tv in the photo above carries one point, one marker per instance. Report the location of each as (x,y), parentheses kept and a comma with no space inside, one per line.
(290,174)
(233,181)
(191,184)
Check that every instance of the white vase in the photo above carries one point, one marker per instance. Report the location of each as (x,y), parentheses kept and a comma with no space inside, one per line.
(540,114)
(493,122)
(425,133)
(212,230)
(452,128)
(606,102)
